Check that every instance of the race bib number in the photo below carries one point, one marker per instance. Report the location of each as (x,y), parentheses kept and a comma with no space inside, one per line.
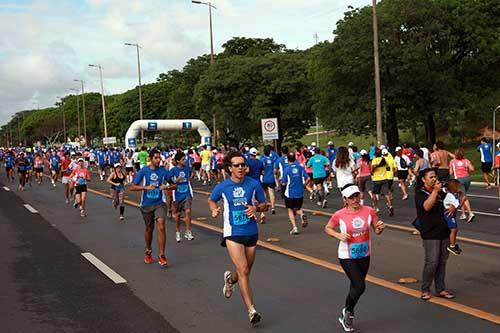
(82,181)
(358,250)
(240,218)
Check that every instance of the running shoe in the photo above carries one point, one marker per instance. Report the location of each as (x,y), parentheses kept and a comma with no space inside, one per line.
(294,231)
(178,237)
(471,217)
(148,258)
(303,218)
(273,211)
(189,235)
(377,209)
(228,288)
(311,196)
(346,319)
(162,260)
(318,203)
(75,204)
(82,213)
(262,219)
(66,201)
(324,204)
(391,211)
(463,217)
(405,197)
(454,249)
(122,217)
(254,317)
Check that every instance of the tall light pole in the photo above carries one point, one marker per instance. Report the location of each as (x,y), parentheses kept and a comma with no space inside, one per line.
(64,119)
(77,110)
(210,6)
(102,97)
(378,94)
(140,84)
(83,109)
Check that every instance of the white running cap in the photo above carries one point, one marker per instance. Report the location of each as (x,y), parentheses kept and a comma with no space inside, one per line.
(398,148)
(313,144)
(351,144)
(350,190)
(382,147)
(385,151)
(330,142)
(253,151)
(363,152)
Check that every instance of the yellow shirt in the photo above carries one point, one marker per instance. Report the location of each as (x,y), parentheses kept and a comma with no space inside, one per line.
(205,157)
(392,164)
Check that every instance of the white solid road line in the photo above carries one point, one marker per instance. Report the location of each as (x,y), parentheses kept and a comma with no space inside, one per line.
(115,277)
(6,188)
(487,214)
(31,209)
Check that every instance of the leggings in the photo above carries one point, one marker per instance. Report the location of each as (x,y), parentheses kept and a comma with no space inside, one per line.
(118,197)
(356,270)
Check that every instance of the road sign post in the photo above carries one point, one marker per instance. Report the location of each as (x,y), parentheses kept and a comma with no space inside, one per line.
(270,129)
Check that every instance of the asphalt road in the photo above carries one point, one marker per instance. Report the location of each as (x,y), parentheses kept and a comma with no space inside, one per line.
(293,295)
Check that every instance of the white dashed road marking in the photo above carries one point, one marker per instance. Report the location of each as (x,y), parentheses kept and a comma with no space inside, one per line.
(115,277)
(31,209)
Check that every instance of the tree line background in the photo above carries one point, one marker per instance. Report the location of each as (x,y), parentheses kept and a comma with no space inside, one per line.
(440,72)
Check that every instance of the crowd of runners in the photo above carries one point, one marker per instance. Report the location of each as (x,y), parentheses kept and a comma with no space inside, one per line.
(249,182)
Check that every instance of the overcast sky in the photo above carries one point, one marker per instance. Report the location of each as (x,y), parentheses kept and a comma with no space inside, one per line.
(46,44)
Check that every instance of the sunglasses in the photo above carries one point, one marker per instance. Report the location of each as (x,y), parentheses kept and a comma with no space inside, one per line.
(241,165)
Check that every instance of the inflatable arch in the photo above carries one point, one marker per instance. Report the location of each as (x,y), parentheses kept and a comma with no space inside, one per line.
(167,125)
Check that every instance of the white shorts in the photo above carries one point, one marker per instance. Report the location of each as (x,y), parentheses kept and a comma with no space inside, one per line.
(65,180)
(205,167)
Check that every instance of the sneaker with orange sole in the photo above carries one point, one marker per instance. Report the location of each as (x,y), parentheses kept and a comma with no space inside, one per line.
(162,260)
(148,258)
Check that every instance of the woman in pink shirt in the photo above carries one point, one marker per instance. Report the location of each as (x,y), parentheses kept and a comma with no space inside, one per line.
(353,223)
(80,176)
(460,169)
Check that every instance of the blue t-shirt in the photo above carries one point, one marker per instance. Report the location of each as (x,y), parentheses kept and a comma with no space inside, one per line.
(114,157)
(282,164)
(318,163)
(372,152)
(255,168)
(356,156)
(29,159)
(294,177)
(9,161)
(236,197)
(213,162)
(332,154)
(268,165)
(183,189)
(485,150)
(54,161)
(147,176)
(101,157)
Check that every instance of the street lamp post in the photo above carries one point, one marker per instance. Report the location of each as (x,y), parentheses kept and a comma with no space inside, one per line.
(83,110)
(77,111)
(140,85)
(102,97)
(64,118)
(378,98)
(210,6)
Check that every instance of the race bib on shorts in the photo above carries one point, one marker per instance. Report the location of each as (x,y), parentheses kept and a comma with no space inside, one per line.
(240,218)
(358,250)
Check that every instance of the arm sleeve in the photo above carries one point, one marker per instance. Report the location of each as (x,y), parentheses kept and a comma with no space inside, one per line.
(216,194)
(138,177)
(334,221)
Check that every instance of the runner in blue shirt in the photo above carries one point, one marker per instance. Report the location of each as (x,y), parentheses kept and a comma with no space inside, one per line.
(55,166)
(150,180)
(294,179)
(9,165)
(29,166)
(182,195)
(319,165)
(101,161)
(268,179)
(240,227)
(255,167)
(485,149)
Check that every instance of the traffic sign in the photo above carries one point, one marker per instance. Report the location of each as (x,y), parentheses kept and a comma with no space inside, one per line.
(270,129)
(109,140)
